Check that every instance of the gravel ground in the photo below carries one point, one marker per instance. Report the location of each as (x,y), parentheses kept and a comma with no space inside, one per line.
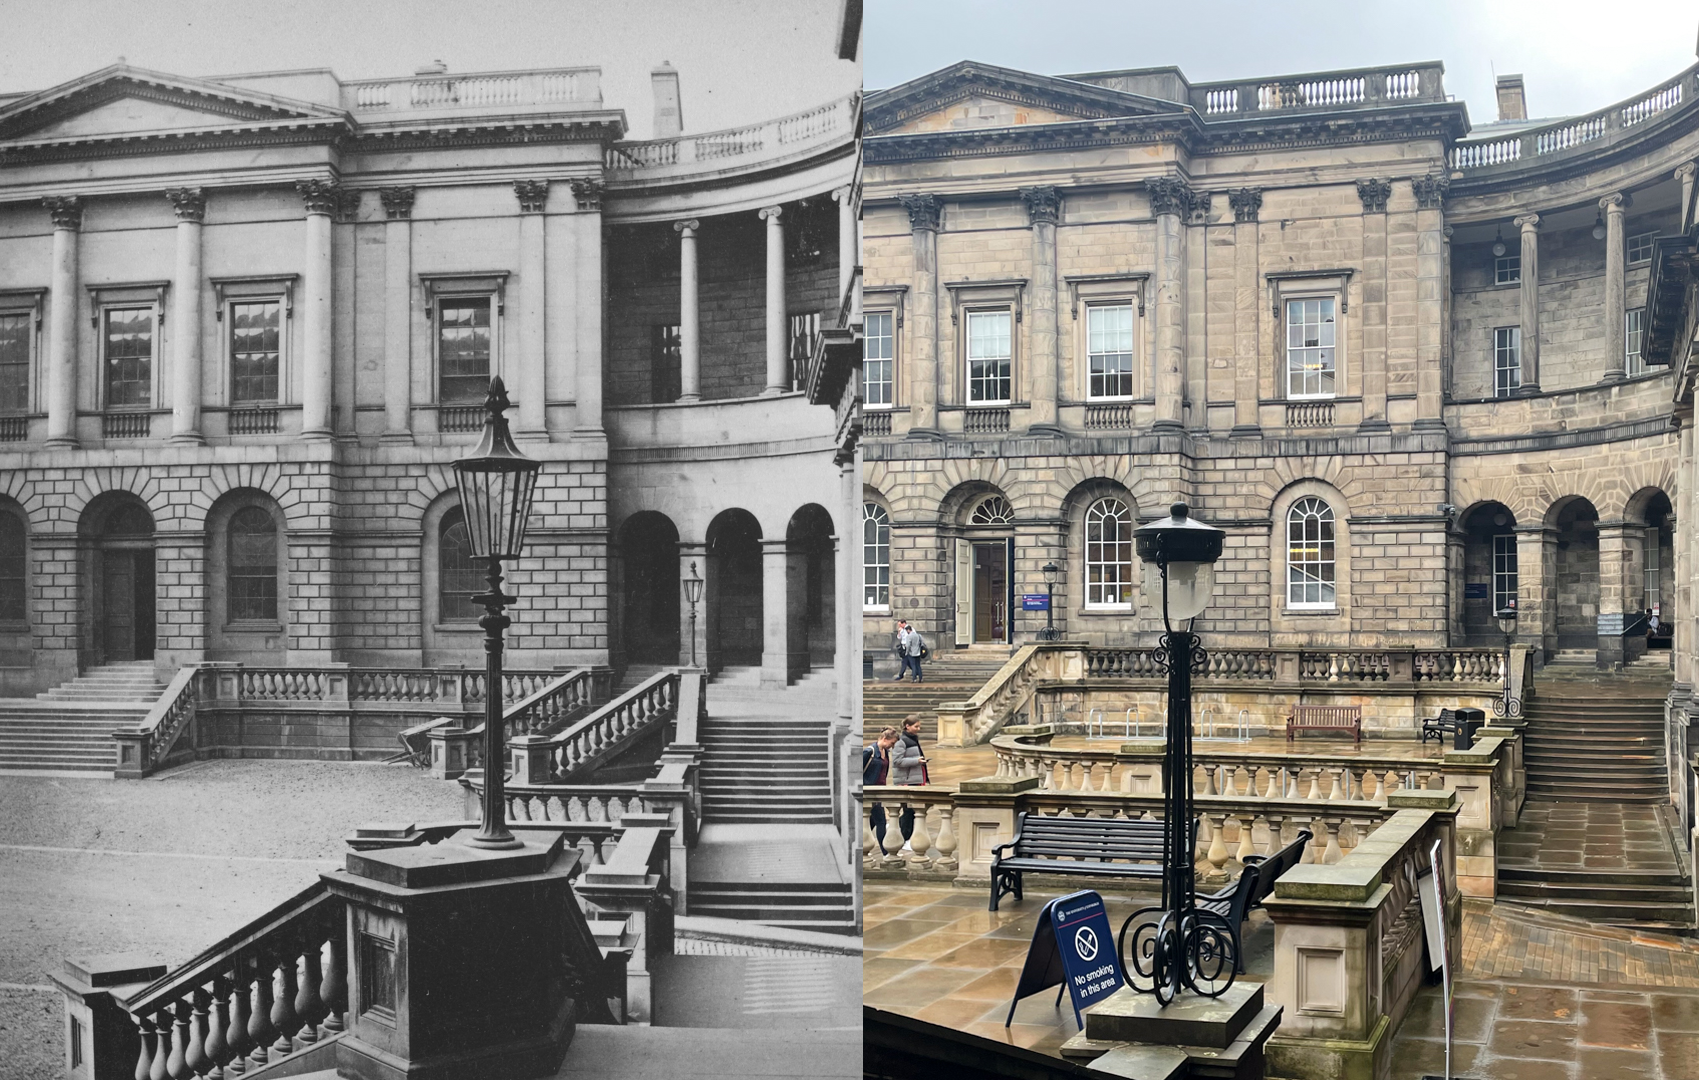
(167,866)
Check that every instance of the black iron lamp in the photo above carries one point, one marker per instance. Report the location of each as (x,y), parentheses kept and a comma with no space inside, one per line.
(496,484)
(693,594)
(1051,572)
(1506,705)
(1177,947)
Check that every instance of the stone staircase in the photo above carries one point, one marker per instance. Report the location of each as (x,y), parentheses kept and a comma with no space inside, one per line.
(757,770)
(1596,736)
(69,728)
(823,906)
(956,677)
(1635,899)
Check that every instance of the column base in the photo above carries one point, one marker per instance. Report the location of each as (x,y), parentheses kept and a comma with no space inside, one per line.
(1245,431)
(318,435)
(1046,431)
(535,435)
(775,391)
(1614,376)
(63,442)
(1375,426)
(188,438)
(1428,423)
(1527,389)
(924,435)
(1168,425)
(687,398)
(396,438)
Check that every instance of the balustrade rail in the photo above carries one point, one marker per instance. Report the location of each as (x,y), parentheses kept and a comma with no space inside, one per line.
(154,742)
(1333,90)
(826,123)
(274,987)
(552,86)
(1531,144)
(587,743)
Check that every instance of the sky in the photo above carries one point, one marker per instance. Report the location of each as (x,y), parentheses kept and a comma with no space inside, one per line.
(1574,57)
(739,61)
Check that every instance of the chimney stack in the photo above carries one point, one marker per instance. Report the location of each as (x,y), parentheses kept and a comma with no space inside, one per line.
(1511,104)
(669,116)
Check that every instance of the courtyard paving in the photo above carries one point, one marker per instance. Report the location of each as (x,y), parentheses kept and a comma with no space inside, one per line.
(1590,836)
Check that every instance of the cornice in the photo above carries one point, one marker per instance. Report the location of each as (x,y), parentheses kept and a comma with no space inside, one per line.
(887,109)
(230,103)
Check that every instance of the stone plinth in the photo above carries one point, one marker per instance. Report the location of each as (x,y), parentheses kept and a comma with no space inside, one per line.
(457,959)
(1188,1020)
(100,1039)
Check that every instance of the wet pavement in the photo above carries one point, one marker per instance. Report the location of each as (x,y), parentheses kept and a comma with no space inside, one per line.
(1589,836)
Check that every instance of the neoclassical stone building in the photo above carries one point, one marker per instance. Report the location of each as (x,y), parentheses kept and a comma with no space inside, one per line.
(246,324)
(1401,358)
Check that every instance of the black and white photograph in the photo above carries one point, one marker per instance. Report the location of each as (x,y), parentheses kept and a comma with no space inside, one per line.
(429,478)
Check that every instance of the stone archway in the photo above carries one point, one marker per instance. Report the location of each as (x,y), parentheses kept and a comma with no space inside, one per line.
(1490,570)
(810,590)
(120,619)
(648,544)
(733,590)
(1575,591)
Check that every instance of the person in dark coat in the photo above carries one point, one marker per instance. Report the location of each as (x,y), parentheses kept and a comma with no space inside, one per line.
(876,771)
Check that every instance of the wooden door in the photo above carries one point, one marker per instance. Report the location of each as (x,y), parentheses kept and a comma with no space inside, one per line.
(990,592)
(964,593)
(117,617)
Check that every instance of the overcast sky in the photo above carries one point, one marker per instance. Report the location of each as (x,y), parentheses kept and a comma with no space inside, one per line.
(739,61)
(1575,57)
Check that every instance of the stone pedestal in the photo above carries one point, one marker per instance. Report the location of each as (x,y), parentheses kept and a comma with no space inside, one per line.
(100,1039)
(451,752)
(458,961)
(1133,1035)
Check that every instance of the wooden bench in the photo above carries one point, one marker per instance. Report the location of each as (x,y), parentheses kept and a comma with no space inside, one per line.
(1232,904)
(1438,727)
(1326,718)
(1077,845)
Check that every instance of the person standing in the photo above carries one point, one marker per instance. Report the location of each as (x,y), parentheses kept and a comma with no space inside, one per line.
(875,772)
(900,646)
(908,768)
(914,649)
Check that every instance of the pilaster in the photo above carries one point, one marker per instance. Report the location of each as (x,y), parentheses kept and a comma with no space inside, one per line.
(1171,201)
(533,196)
(1431,299)
(321,199)
(588,381)
(398,313)
(1247,310)
(1374,194)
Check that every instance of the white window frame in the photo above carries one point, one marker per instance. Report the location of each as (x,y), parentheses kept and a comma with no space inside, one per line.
(1633,338)
(889,359)
(1302,508)
(229,292)
(1092,307)
(1507,269)
(968,360)
(1499,332)
(1651,570)
(1642,241)
(124,297)
(877,516)
(1286,302)
(1506,573)
(1125,572)
(451,287)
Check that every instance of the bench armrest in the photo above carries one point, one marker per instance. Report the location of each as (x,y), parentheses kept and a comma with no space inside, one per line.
(1253,860)
(1004,847)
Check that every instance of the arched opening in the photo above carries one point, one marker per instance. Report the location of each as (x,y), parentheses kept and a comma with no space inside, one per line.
(1576,577)
(810,587)
(733,591)
(118,577)
(1652,508)
(648,544)
(247,605)
(1490,570)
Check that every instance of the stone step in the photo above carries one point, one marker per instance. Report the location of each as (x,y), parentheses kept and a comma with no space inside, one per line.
(1617,913)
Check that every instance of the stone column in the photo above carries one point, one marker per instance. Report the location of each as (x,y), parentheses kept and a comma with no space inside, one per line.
(1171,202)
(588,388)
(321,198)
(67,212)
(924,212)
(1686,544)
(1530,295)
(1684,173)
(1430,193)
(533,197)
(1616,304)
(1043,207)
(775,613)
(692,555)
(1374,194)
(778,328)
(1536,576)
(689,314)
(398,313)
(1247,311)
(1621,586)
(190,206)
(849,555)
(849,251)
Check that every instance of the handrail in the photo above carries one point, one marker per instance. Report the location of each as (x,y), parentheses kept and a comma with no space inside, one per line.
(482,89)
(1571,133)
(548,706)
(170,716)
(589,741)
(834,119)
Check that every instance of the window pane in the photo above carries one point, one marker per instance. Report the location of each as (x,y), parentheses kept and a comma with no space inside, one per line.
(988,356)
(1310,352)
(463,349)
(129,357)
(1109,553)
(1504,571)
(14,362)
(459,576)
(13,568)
(1310,553)
(1109,344)
(254,351)
(252,565)
(1507,360)
(1632,362)
(877,359)
(876,556)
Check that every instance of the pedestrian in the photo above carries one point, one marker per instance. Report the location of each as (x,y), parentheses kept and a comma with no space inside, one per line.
(914,650)
(875,772)
(899,647)
(908,768)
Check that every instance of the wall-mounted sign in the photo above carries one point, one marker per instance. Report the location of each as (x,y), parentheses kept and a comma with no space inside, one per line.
(1477,590)
(1035,602)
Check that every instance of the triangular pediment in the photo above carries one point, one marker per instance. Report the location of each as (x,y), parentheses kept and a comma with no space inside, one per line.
(973,95)
(122,100)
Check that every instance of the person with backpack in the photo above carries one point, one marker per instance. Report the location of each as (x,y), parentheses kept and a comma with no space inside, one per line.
(914,649)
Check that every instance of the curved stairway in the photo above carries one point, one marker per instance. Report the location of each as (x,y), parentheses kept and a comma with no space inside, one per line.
(69,728)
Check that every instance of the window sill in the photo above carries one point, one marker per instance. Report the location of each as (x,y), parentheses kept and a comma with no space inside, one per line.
(1300,611)
(252,626)
(457,628)
(14,627)
(1107,609)
(886,610)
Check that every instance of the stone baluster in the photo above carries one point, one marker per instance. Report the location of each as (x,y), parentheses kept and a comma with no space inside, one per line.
(1276,836)
(283,1016)
(1201,853)
(1246,849)
(868,840)
(176,1066)
(1086,768)
(1369,790)
(308,1005)
(149,1046)
(1217,847)
(1108,777)
(196,1060)
(1310,854)
(1210,787)
(260,1029)
(159,1068)
(217,1039)
(1332,854)
(920,842)
(237,1037)
(1334,792)
(334,990)
(893,845)
(946,844)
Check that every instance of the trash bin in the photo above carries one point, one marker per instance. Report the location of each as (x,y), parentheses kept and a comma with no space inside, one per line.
(1469,721)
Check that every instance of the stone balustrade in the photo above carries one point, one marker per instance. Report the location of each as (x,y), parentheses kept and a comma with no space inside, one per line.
(736,148)
(1349,953)
(378,98)
(1068,684)
(1358,88)
(154,743)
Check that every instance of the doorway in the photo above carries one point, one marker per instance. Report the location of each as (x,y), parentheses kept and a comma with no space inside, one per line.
(120,580)
(991,592)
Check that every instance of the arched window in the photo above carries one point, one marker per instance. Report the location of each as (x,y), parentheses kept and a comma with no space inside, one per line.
(875,556)
(14,569)
(1309,554)
(993,511)
(1108,554)
(252,574)
(460,577)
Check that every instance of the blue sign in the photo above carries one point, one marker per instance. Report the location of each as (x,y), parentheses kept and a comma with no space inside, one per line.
(1477,590)
(1071,945)
(1035,602)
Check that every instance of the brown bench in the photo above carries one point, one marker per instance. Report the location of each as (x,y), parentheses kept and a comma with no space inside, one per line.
(1326,718)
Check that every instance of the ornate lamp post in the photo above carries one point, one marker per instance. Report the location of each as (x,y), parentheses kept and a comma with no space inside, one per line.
(1507,706)
(693,593)
(496,484)
(1051,570)
(1176,947)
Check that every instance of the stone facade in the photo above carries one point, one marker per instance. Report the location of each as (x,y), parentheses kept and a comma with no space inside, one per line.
(1198,238)
(400,241)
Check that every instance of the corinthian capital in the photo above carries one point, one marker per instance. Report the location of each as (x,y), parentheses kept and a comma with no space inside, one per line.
(66,210)
(397,201)
(588,192)
(1430,191)
(189,203)
(1170,195)
(533,195)
(1246,203)
(1043,204)
(319,196)
(923,211)
(1374,194)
